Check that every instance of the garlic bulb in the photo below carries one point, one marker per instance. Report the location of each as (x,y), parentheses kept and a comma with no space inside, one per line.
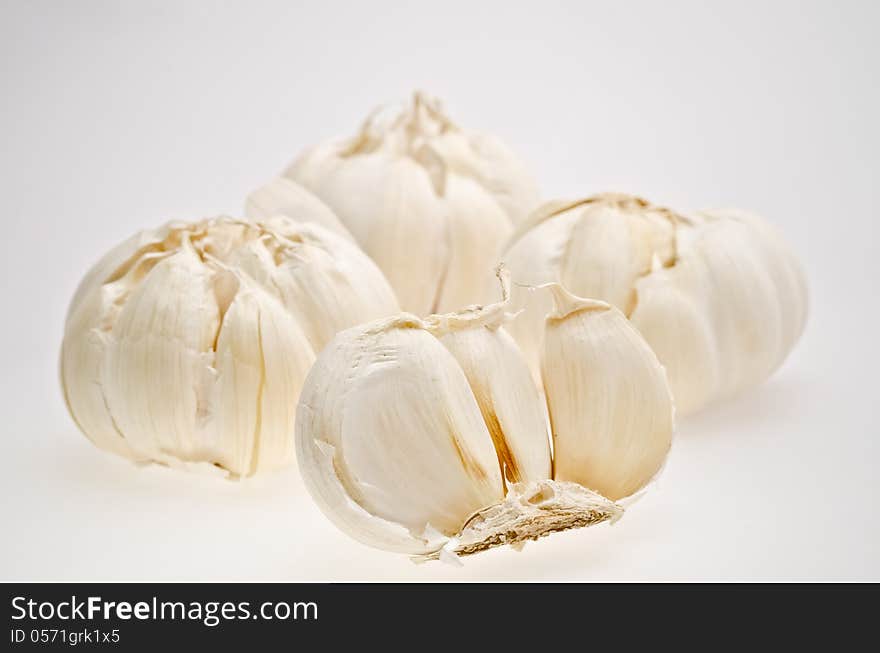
(431,203)
(428,436)
(717,294)
(190,343)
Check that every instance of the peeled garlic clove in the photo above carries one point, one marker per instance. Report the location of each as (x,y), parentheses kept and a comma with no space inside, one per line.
(408,431)
(179,346)
(610,407)
(432,204)
(717,294)
(287,198)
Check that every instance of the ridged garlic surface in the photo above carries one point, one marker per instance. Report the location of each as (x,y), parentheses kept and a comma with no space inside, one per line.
(431,203)
(717,295)
(190,343)
(427,436)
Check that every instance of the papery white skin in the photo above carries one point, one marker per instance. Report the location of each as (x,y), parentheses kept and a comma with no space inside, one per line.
(413,434)
(431,203)
(498,375)
(610,405)
(190,343)
(717,294)
(285,197)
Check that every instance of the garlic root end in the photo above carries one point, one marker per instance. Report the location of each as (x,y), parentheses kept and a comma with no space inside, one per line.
(530,511)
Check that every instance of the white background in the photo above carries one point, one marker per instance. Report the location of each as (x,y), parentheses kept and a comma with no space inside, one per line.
(119,115)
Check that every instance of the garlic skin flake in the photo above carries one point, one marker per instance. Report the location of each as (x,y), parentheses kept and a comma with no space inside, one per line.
(431,203)
(717,295)
(428,436)
(190,343)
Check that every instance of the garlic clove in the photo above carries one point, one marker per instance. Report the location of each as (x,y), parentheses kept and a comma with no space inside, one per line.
(254,396)
(324,280)
(390,206)
(781,264)
(505,175)
(113,265)
(179,346)
(533,260)
(236,399)
(598,248)
(407,439)
(283,375)
(750,296)
(487,160)
(156,354)
(673,321)
(611,411)
(285,197)
(509,401)
(476,226)
(95,301)
(608,250)
(499,377)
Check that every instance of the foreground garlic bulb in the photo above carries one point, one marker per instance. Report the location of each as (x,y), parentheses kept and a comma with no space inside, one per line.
(190,343)
(431,203)
(717,294)
(429,437)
